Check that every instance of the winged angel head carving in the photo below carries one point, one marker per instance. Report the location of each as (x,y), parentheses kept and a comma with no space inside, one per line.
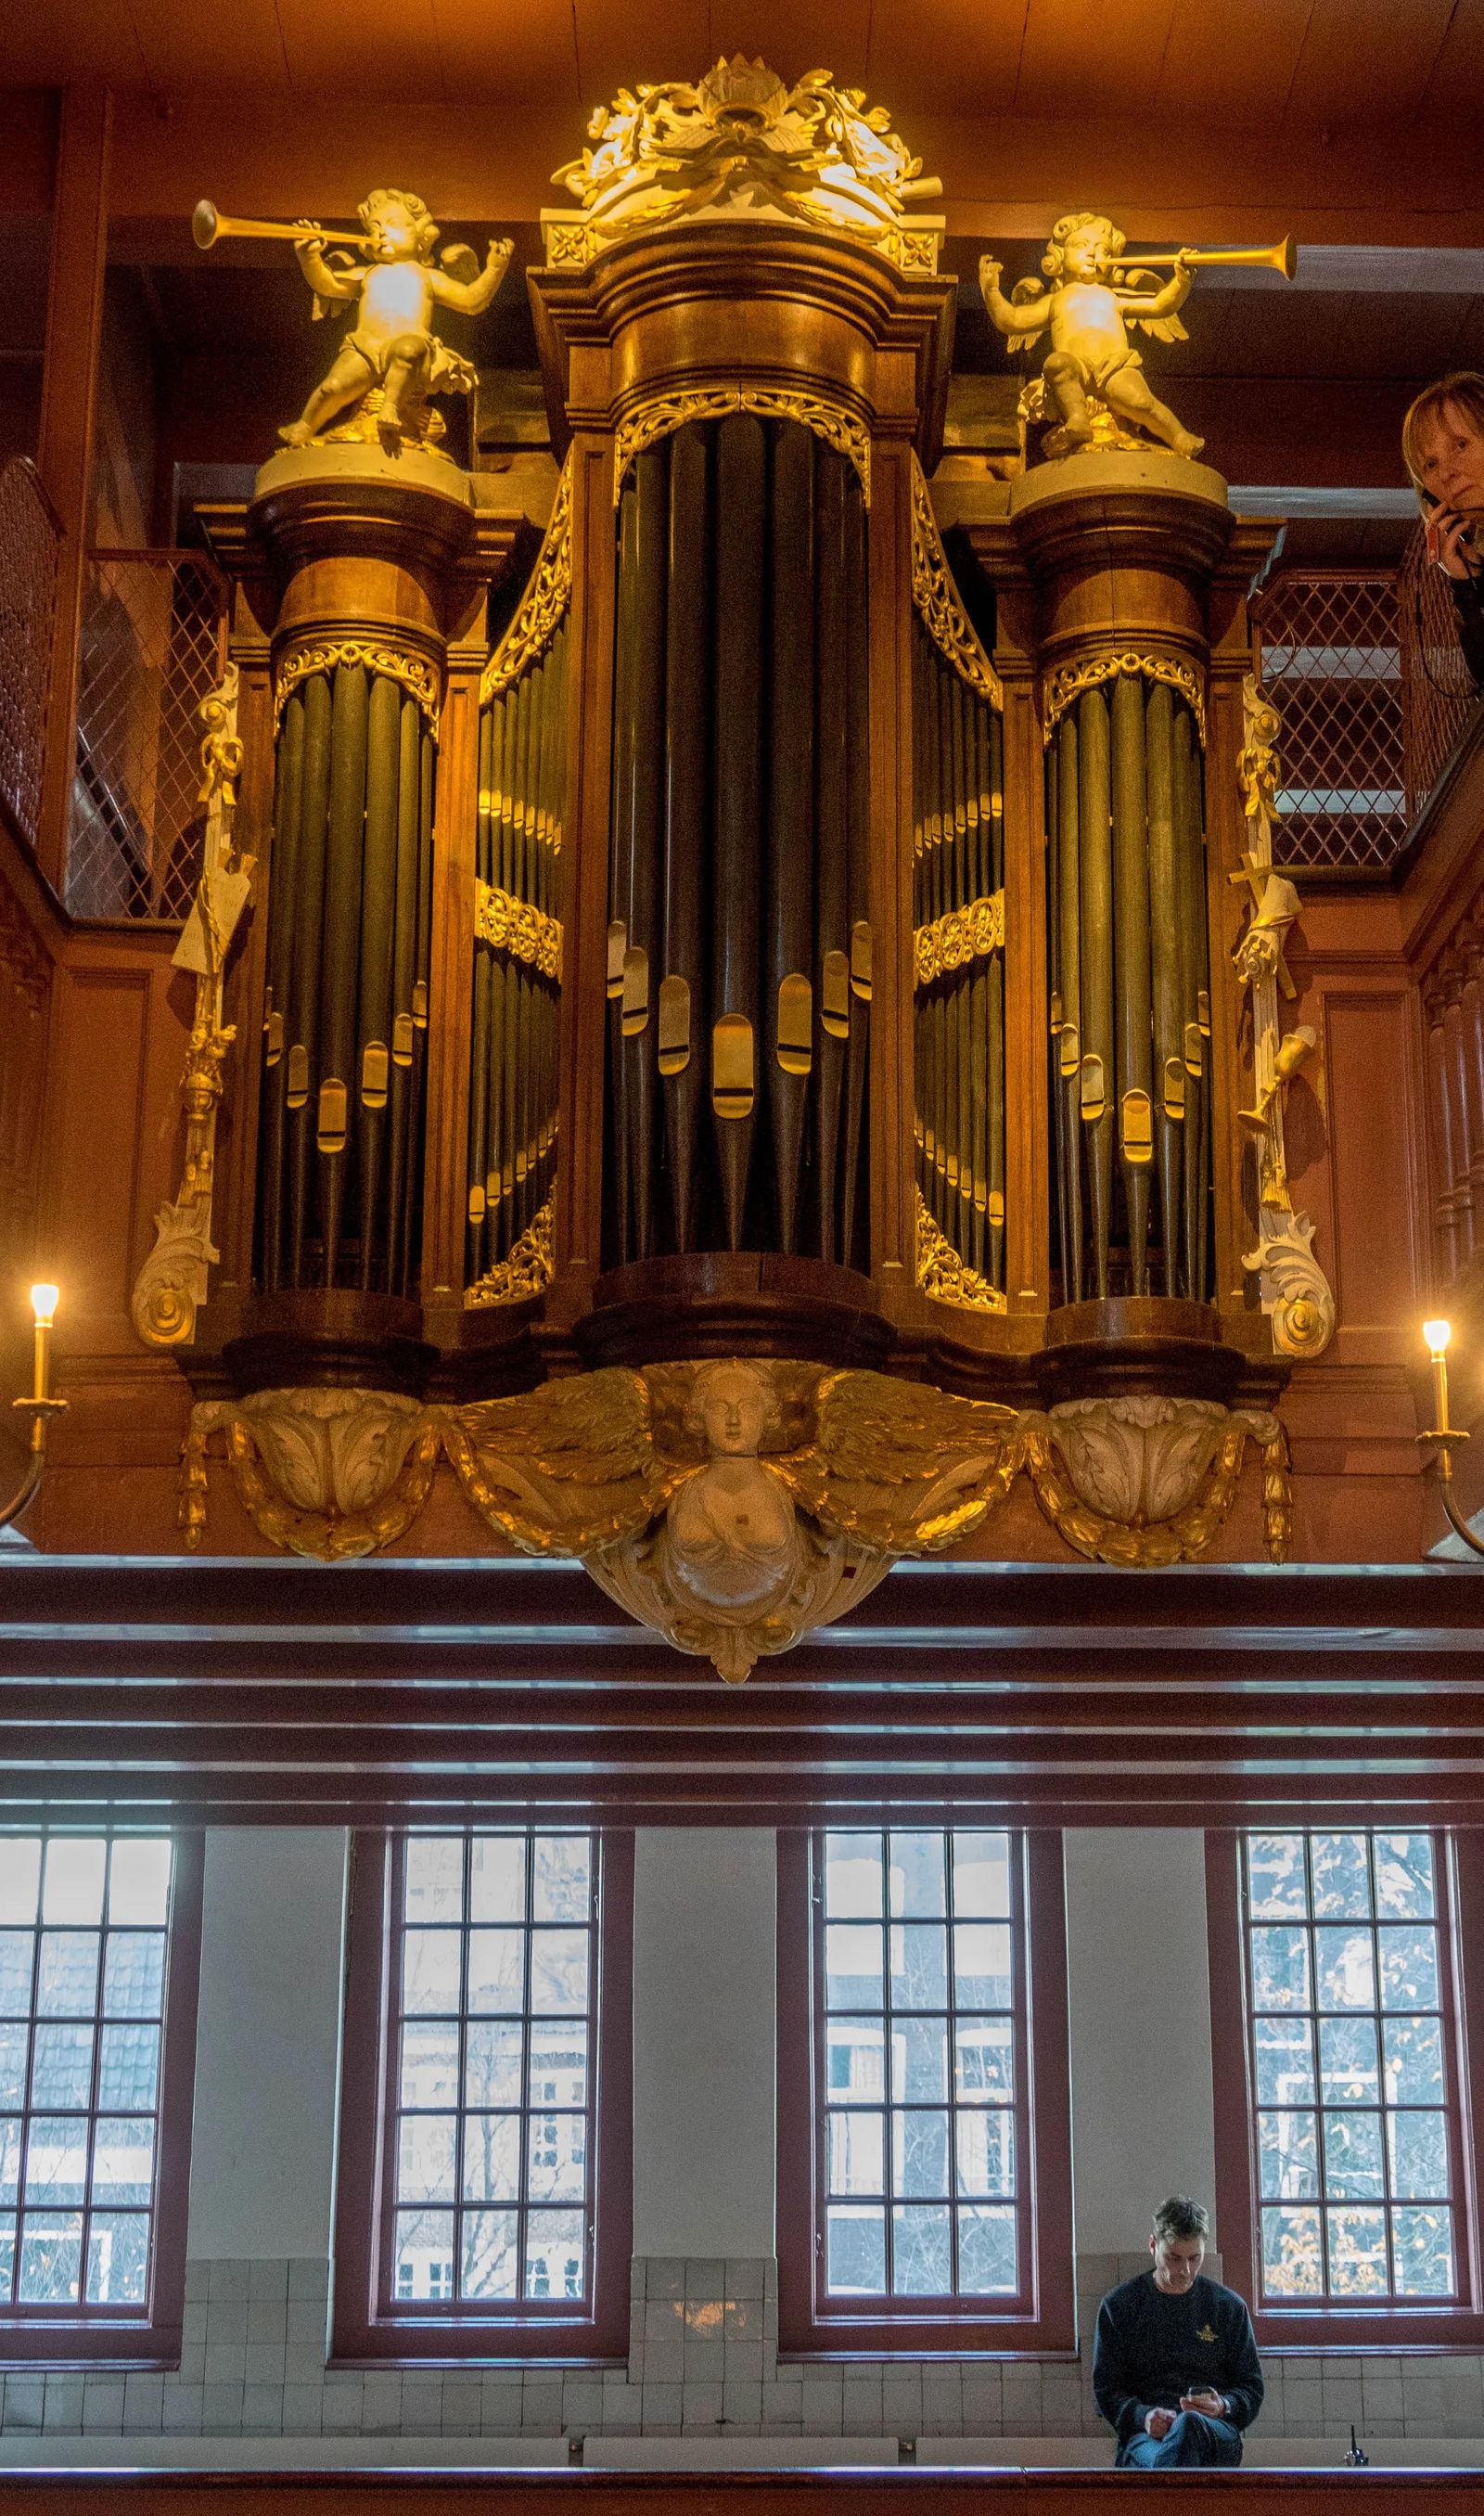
(735,1505)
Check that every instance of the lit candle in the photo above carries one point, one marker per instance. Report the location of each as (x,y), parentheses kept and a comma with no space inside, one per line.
(44,1300)
(1436,1335)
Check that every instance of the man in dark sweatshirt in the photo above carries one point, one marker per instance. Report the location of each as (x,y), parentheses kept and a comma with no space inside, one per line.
(1174,2366)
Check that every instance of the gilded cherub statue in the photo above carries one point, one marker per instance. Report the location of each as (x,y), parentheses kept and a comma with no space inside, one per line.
(1091,369)
(391,361)
(735,1505)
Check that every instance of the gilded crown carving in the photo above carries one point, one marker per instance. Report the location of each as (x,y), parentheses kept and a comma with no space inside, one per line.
(738,143)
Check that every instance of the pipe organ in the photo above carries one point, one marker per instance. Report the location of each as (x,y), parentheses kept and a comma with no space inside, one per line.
(734,957)
(739,933)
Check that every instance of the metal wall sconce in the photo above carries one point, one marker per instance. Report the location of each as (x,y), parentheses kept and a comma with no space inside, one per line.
(1437,1334)
(41,1406)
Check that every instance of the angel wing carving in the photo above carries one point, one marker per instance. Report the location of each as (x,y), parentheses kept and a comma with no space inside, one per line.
(1160,327)
(567,1468)
(900,1467)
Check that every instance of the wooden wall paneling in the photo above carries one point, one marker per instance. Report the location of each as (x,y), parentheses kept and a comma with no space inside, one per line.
(445,1162)
(893,1226)
(69,399)
(1375,1167)
(97,1111)
(26,973)
(578,1235)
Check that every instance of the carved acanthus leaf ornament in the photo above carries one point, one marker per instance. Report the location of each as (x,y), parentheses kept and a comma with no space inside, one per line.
(735,1506)
(1150,1481)
(172,1282)
(741,143)
(1293,1288)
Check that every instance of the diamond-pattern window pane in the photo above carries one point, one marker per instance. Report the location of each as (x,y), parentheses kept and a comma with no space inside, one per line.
(152,646)
(1438,695)
(29,537)
(1331,662)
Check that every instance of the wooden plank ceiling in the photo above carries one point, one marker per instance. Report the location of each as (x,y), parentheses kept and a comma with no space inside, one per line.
(1284,65)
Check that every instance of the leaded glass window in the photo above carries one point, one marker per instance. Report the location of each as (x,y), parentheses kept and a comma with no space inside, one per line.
(1354,2076)
(84,1924)
(494,1989)
(920,2022)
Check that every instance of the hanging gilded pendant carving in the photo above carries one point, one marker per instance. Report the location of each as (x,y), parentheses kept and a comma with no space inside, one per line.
(544,601)
(937,603)
(1295,1291)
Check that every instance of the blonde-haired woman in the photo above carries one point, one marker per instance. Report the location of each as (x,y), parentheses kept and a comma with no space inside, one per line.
(1443,450)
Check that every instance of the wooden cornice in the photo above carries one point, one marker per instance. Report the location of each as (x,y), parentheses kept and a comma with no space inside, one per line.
(240,1692)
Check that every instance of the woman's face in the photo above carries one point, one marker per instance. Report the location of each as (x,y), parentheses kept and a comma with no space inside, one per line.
(1451,460)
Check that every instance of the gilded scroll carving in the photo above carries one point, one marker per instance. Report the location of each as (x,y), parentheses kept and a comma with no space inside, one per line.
(937,603)
(525,1272)
(172,1282)
(517,927)
(661,417)
(415,674)
(740,142)
(1071,680)
(1295,1291)
(943,1274)
(967,934)
(545,601)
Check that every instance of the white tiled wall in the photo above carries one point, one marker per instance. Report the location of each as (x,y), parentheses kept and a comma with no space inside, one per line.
(703,2363)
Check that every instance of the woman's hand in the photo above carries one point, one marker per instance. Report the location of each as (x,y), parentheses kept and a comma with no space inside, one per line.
(1455,556)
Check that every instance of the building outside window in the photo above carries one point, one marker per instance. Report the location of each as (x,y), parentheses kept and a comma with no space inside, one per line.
(924,2172)
(1346,2195)
(100,1943)
(487,2041)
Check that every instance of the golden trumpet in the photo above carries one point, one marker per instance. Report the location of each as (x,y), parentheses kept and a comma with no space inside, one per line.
(207,222)
(1282,256)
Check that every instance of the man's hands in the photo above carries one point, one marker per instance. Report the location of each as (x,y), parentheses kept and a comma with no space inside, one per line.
(1160,2423)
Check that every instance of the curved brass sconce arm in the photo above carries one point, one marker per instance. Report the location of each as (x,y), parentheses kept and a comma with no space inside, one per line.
(1445,1436)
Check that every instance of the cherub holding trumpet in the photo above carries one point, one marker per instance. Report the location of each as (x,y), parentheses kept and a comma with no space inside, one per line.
(393,347)
(1092,360)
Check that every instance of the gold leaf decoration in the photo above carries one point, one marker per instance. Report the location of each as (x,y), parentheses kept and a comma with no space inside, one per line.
(943,1274)
(1070,681)
(526,1270)
(544,604)
(660,418)
(967,934)
(516,927)
(937,603)
(414,672)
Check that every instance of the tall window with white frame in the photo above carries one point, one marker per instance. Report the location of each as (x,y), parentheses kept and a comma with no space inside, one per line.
(924,2148)
(484,2180)
(1353,2066)
(88,1979)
